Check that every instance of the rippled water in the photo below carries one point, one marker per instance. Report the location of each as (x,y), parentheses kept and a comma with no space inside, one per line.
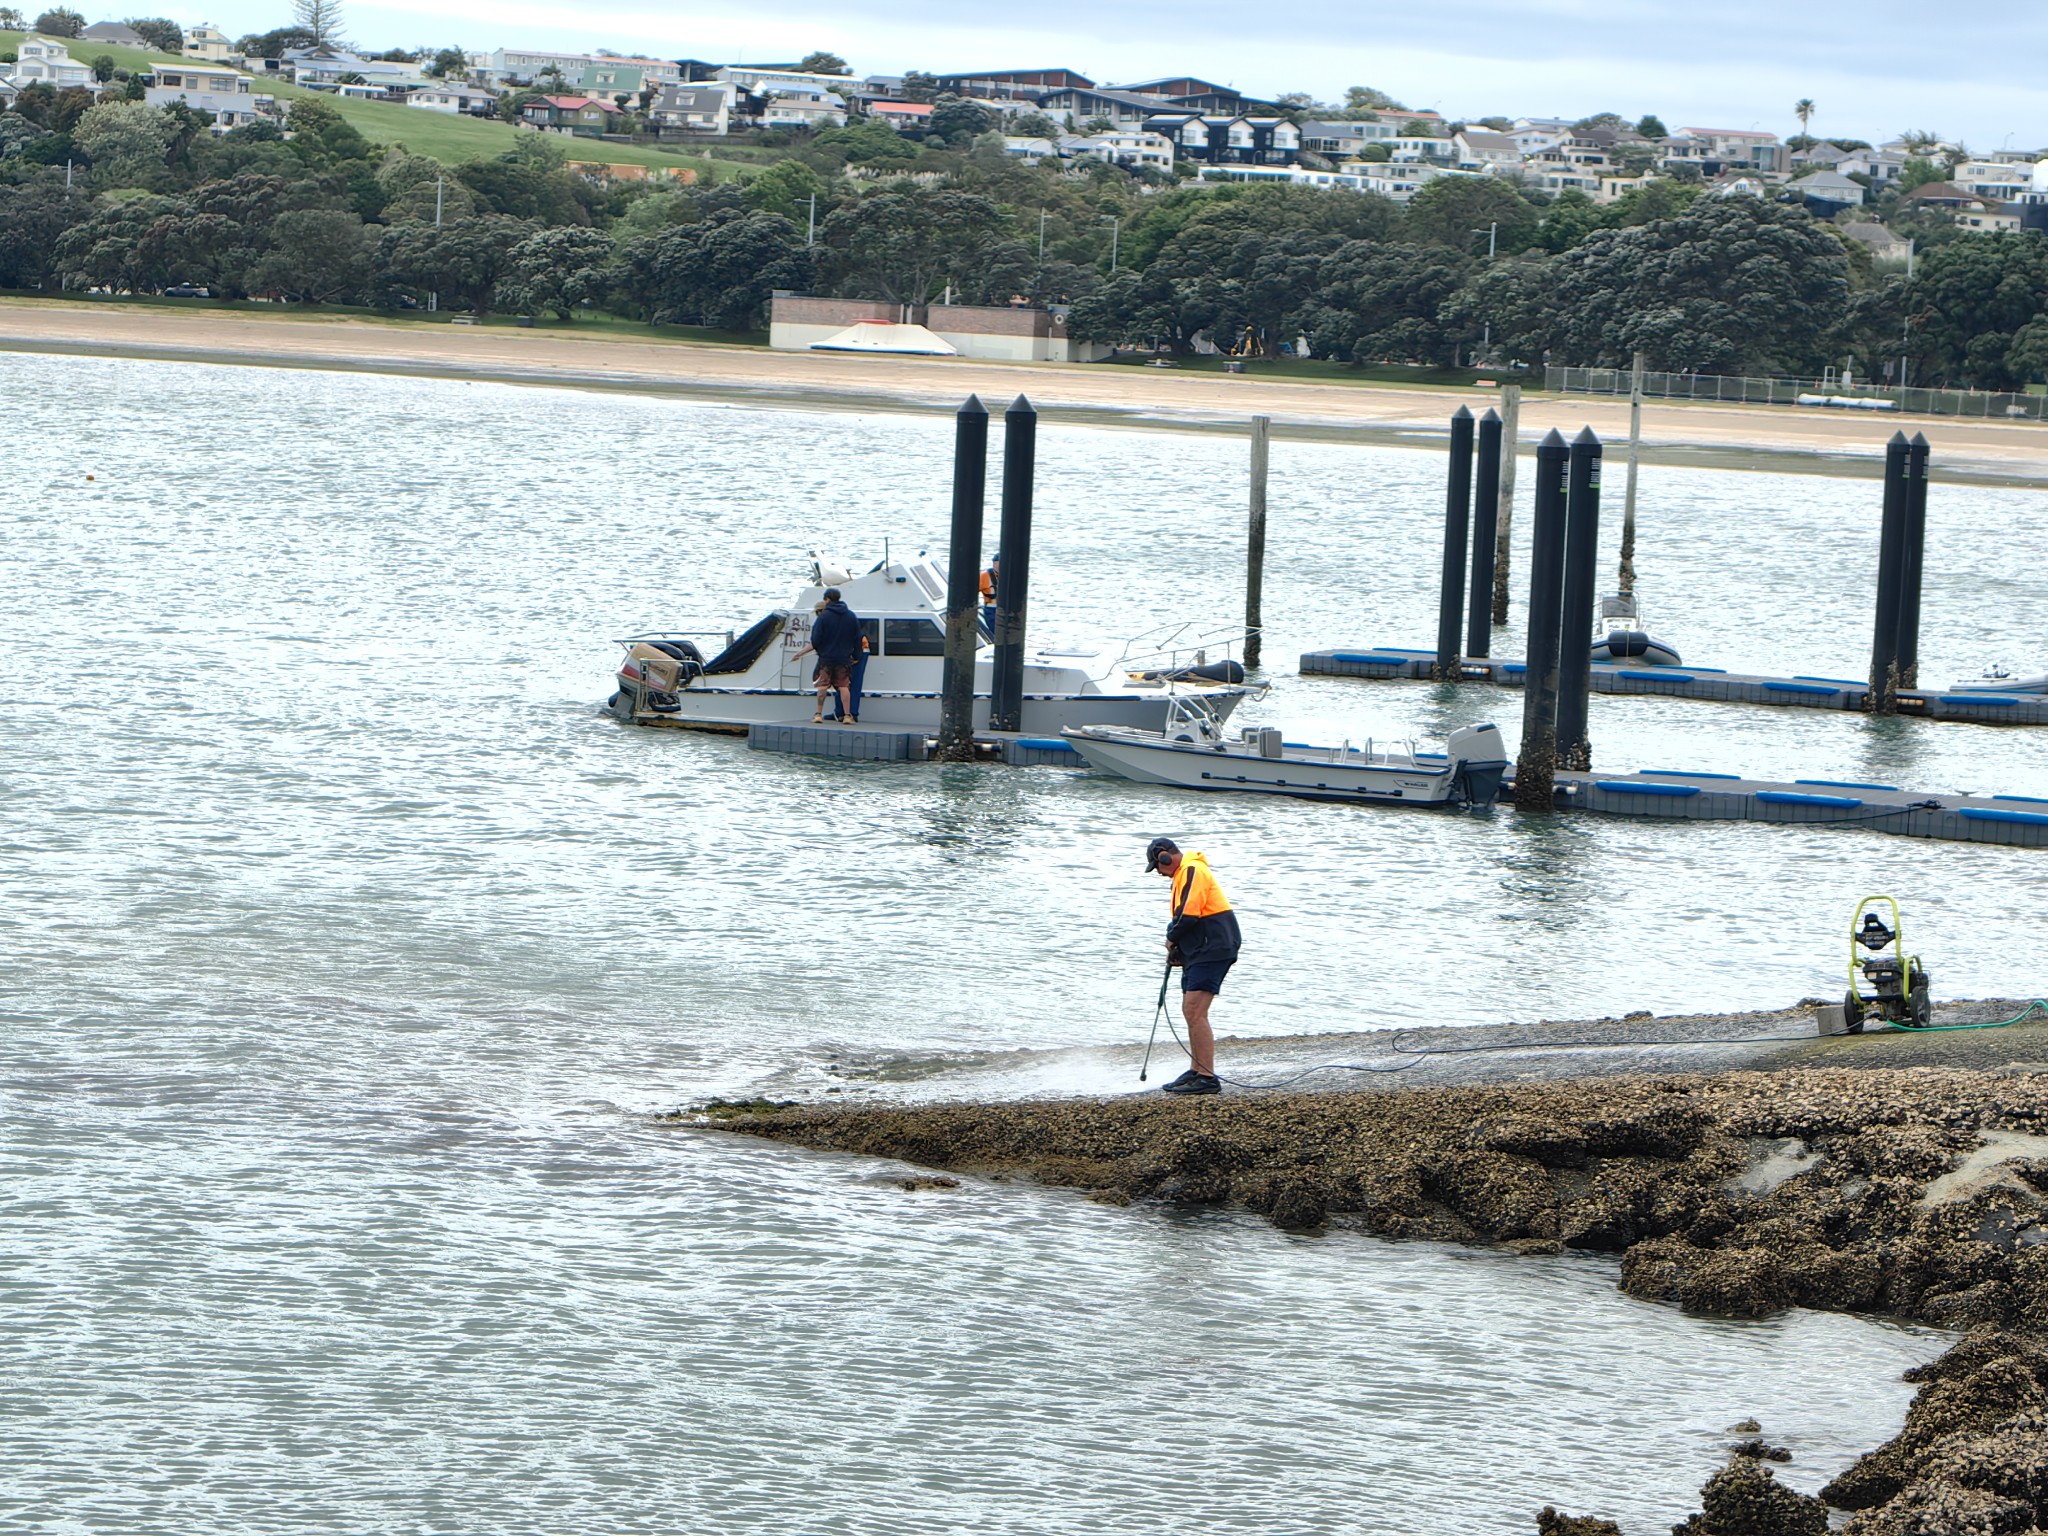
(349,948)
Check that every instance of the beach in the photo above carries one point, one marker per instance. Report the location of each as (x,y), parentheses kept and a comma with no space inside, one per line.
(1722,436)
(1836,1175)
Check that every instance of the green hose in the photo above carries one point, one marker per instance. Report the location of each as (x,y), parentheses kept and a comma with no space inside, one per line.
(2038,1005)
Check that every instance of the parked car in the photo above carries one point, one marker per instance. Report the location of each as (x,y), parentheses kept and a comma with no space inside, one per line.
(186,291)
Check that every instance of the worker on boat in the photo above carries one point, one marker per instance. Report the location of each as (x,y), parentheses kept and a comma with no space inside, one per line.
(1202,938)
(989,579)
(835,637)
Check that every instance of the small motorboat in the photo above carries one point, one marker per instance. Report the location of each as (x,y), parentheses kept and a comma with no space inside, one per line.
(1998,678)
(1194,752)
(759,676)
(1619,640)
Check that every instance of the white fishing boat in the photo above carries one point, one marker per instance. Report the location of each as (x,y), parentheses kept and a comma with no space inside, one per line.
(1195,752)
(1998,678)
(759,676)
(1620,640)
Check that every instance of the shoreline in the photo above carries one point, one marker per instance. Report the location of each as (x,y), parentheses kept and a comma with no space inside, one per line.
(1674,434)
(1834,1173)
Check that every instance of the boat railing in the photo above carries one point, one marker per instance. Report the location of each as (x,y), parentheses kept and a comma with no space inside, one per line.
(1173,646)
(724,637)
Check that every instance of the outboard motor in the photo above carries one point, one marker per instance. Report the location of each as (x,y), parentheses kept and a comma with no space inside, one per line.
(1480,761)
(653,672)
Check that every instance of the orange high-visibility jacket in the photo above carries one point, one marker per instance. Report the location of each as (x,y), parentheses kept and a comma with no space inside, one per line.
(1204,928)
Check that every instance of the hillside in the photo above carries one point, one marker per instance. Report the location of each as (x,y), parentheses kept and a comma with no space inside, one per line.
(449,139)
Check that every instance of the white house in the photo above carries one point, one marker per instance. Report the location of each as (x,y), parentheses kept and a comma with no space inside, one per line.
(1479,150)
(527,64)
(40,61)
(1345,138)
(793,82)
(444,96)
(1991,178)
(1829,187)
(1130,148)
(325,66)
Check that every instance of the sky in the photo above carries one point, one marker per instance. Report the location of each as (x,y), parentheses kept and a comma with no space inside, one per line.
(1874,68)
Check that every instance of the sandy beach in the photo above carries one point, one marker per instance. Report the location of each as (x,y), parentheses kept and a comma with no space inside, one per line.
(1762,437)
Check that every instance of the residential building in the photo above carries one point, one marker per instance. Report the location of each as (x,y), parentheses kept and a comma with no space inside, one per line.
(43,61)
(323,67)
(584,116)
(1009,84)
(805,109)
(115,32)
(1883,244)
(523,66)
(1994,179)
(1030,150)
(1534,133)
(219,80)
(1397,180)
(230,109)
(1343,138)
(1613,189)
(446,96)
(1195,95)
(1882,168)
(915,115)
(1221,140)
(1132,150)
(1828,192)
(791,82)
(693,109)
(1561,177)
(207,42)
(1123,108)
(1431,149)
(613,77)
(1990,218)
(1478,149)
(1745,144)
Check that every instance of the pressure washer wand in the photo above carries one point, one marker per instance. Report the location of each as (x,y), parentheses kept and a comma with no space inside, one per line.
(1158,1009)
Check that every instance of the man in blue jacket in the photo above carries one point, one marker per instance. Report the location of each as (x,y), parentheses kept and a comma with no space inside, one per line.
(835,636)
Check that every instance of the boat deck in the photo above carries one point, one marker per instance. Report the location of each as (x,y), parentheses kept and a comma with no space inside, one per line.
(1394,663)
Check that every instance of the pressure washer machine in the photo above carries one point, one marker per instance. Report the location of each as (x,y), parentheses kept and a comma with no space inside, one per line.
(1884,981)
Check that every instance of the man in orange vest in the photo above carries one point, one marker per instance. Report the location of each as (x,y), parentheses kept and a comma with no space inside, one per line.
(1202,938)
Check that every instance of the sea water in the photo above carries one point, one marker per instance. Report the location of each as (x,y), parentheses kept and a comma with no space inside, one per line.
(351,954)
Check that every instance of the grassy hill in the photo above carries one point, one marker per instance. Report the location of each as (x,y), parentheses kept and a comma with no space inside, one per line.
(447,138)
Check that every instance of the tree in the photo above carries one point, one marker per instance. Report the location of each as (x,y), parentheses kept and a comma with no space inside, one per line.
(126,142)
(531,180)
(1731,285)
(555,271)
(1918,173)
(1034,125)
(919,86)
(1651,126)
(107,250)
(1612,122)
(823,64)
(787,188)
(1460,211)
(463,262)
(321,135)
(720,271)
(1570,217)
(317,256)
(34,216)
(1376,302)
(273,44)
(906,246)
(160,32)
(1364,98)
(102,66)
(1515,301)
(417,187)
(1376,154)
(322,18)
(865,142)
(16,132)
(62,21)
(449,63)
(10,20)
(959,122)
(1975,304)
(1803,110)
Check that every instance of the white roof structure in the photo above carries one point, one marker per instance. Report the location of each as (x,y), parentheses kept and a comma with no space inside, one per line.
(882,336)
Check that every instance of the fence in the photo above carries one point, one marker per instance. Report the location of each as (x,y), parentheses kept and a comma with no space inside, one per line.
(1820,393)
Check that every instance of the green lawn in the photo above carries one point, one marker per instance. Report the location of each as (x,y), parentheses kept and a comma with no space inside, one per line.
(445,137)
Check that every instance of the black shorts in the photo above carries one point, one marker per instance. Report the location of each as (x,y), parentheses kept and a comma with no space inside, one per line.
(1204,975)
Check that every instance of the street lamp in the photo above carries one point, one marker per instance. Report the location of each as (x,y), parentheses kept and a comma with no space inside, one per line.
(1115,229)
(1492,233)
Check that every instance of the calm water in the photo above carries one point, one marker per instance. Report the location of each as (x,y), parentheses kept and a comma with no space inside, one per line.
(348,950)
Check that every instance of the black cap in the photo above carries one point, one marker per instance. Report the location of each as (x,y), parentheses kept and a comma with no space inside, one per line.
(1156,847)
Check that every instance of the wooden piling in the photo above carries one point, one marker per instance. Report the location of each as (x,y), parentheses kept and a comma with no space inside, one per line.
(1510,445)
(1536,763)
(963,584)
(1485,528)
(1255,542)
(1457,535)
(1581,580)
(1891,548)
(1628,501)
(1912,562)
(1013,576)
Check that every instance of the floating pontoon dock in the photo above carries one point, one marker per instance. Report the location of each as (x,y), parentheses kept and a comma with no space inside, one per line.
(1384,663)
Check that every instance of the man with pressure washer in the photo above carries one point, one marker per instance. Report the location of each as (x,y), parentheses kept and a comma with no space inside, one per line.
(1202,938)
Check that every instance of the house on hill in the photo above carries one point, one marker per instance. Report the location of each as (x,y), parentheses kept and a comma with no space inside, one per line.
(1827,193)
(207,44)
(447,96)
(228,94)
(693,109)
(1985,214)
(44,61)
(1014,84)
(585,116)
(120,35)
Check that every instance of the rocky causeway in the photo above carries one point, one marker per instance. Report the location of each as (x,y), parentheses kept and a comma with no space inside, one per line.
(1896,1174)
